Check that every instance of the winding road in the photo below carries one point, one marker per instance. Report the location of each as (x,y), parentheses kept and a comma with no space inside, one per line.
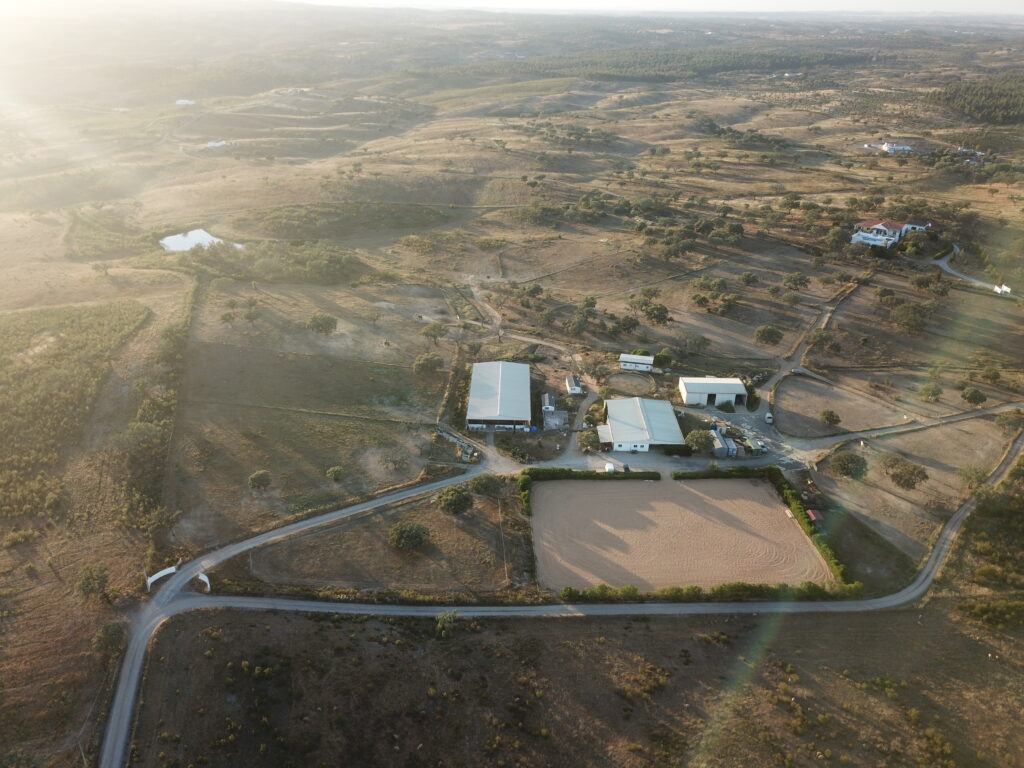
(176,596)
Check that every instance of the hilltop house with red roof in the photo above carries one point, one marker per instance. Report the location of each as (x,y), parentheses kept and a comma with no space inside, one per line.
(886,233)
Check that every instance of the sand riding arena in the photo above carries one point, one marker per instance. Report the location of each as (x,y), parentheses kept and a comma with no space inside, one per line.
(655,534)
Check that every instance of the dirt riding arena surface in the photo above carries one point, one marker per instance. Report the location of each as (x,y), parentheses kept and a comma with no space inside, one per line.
(668,533)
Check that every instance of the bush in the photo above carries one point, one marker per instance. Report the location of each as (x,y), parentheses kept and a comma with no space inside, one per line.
(407,535)
(830,418)
(699,440)
(727,407)
(260,480)
(973,395)
(677,450)
(92,580)
(322,323)
(904,473)
(768,335)
(335,473)
(14,538)
(849,465)
(486,485)
(427,363)
(539,474)
(454,499)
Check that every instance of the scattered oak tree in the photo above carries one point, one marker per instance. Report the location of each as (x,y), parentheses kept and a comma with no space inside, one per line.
(260,480)
(768,335)
(905,474)
(699,440)
(973,395)
(454,500)
(92,580)
(322,323)
(407,535)
(426,364)
(830,418)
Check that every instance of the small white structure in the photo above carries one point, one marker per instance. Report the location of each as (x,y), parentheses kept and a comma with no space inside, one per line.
(499,396)
(1002,290)
(710,390)
(185,103)
(573,385)
(893,148)
(637,423)
(636,362)
(186,241)
(886,233)
(547,403)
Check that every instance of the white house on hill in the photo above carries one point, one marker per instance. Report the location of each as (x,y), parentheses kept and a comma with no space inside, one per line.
(886,233)
(573,385)
(637,423)
(636,362)
(499,396)
(709,390)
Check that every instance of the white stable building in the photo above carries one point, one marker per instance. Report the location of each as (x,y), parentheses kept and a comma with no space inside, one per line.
(636,362)
(710,390)
(637,423)
(499,396)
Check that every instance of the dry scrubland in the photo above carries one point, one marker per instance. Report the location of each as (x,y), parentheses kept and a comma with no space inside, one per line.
(910,519)
(661,534)
(383,170)
(486,549)
(309,690)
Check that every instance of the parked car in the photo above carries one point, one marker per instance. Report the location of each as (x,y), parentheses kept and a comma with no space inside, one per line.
(769,418)
(625,468)
(609,467)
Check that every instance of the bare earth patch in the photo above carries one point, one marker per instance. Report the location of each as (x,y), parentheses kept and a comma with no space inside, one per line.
(661,534)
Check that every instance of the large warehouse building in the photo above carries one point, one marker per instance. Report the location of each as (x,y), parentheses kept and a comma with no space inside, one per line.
(636,423)
(708,390)
(499,396)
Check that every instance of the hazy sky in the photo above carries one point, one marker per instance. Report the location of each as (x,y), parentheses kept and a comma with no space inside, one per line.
(971,7)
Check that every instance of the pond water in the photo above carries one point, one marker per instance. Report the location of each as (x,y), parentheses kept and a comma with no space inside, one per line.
(186,241)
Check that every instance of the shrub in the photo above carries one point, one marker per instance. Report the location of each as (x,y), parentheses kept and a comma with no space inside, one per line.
(849,465)
(727,407)
(260,480)
(427,363)
(904,473)
(677,450)
(768,335)
(454,499)
(92,580)
(699,440)
(407,535)
(486,485)
(16,537)
(830,418)
(973,395)
(335,473)
(322,323)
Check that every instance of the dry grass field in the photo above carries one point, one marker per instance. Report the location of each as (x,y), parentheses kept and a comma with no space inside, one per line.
(384,168)
(909,519)
(706,692)
(799,402)
(484,550)
(668,533)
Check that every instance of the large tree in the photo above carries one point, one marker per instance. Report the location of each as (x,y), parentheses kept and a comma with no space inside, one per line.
(699,440)
(454,499)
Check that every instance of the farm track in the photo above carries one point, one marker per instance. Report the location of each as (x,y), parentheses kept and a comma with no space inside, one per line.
(175,596)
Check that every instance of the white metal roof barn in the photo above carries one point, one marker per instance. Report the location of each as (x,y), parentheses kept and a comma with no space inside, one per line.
(499,395)
(710,390)
(637,423)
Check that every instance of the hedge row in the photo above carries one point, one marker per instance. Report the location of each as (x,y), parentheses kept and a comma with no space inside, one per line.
(736,591)
(526,478)
(788,494)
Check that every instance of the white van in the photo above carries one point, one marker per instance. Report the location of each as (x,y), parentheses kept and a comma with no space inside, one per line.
(769,418)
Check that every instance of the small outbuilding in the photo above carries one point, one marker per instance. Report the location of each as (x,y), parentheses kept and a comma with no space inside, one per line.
(636,362)
(710,390)
(499,396)
(573,385)
(637,423)
(547,402)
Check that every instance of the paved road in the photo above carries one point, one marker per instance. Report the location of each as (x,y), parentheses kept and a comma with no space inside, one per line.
(174,598)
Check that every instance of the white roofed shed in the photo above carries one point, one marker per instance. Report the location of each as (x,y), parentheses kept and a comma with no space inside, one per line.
(710,390)
(499,395)
(637,423)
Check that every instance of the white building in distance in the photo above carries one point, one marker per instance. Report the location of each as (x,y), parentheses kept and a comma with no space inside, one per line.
(636,362)
(499,396)
(709,390)
(573,385)
(637,423)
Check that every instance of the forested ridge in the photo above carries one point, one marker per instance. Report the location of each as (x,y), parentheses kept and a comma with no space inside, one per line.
(998,100)
(655,66)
